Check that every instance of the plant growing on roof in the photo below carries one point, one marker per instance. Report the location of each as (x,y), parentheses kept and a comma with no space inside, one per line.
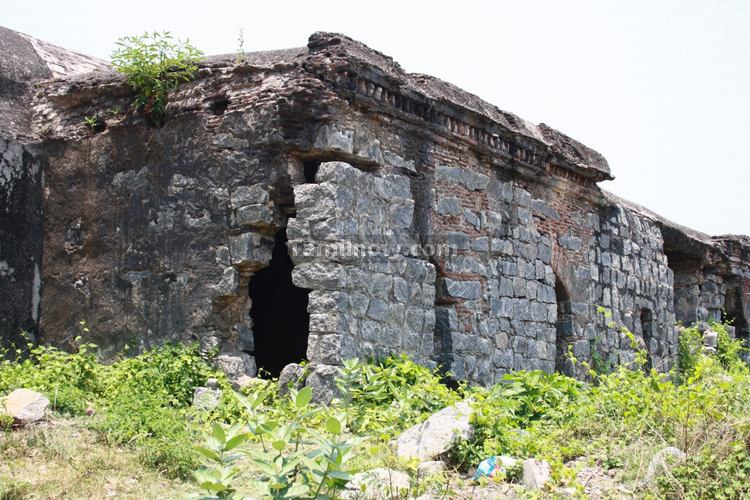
(155,64)
(241,56)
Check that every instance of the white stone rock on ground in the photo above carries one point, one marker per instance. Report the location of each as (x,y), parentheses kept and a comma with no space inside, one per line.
(380,483)
(205,398)
(507,461)
(661,462)
(710,341)
(536,473)
(435,435)
(431,468)
(26,406)
(292,375)
(246,381)
(322,381)
(237,365)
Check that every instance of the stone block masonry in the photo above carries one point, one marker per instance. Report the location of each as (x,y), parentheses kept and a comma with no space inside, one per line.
(350,241)
(496,302)
(320,204)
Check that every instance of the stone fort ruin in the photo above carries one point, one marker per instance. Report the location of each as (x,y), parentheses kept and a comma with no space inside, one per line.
(320,203)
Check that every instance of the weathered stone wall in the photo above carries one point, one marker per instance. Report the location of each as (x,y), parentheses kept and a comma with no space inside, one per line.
(710,274)
(526,281)
(21,183)
(490,243)
(24,60)
(636,285)
(371,296)
(736,280)
(137,235)
(699,294)
(496,304)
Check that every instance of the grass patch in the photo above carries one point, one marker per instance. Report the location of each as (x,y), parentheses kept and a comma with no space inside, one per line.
(142,439)
(141,402)
(63,458)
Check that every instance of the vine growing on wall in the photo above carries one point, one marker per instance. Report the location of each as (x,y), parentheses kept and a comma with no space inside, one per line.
(155,64)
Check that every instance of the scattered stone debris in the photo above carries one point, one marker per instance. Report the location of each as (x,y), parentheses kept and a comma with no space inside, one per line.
(431,468)
(247,381)
(322,381)
(710,341)
(291,376)
(26,406)
(434,436)
(536,473)
(207,398)
(236,366)
(598,482)
(661,462)
(380,483)
(467,489)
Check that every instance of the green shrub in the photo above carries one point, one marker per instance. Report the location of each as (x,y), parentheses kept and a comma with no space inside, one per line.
(162,434)
(716,471)
(503,412)
(617,418)
(155,64)
(386,397)
(70,381)
(689,350)
(728,350)
(147,400)
(171,371)
(293,461)
(6,421)
(142,401)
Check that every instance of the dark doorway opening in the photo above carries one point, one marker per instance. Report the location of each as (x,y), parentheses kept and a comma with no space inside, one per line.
(310,170)
(647,330)
(732,313)
(281,322)
(564,327)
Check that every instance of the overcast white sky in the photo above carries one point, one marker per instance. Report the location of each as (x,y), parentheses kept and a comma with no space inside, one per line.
(661,88)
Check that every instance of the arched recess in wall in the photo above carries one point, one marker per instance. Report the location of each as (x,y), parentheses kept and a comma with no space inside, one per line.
(281,323)
(564,328)
(443,338)
(647,331)
(734,314)
(685,258)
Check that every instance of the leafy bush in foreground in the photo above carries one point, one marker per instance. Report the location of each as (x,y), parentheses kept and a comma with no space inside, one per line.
(622,418)
(293,460)
(618,419)
(71,381)
(386,397)
(142,401)
(501,412)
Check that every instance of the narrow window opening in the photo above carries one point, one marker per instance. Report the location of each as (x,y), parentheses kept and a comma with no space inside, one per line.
(281,322)
(647,330)
(564,326)
(310,170)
